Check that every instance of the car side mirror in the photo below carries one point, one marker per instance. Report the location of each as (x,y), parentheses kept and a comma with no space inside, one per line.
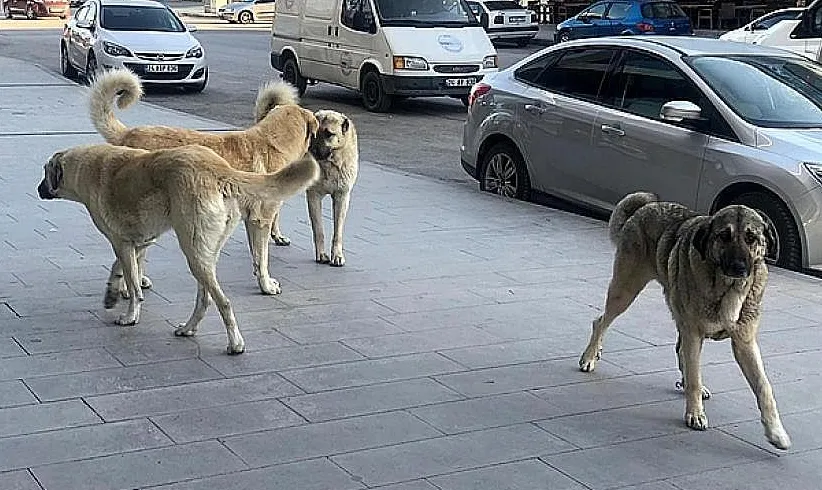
(191,28)
(679,111)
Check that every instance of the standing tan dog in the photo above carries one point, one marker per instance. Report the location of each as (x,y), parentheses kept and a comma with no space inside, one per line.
(134,196)
(282,135)
(713,274)
(336,150)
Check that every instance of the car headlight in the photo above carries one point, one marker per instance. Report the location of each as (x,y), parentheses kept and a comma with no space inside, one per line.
(410,63)
(115,49)
(490,61)
(815,169)
(195,52)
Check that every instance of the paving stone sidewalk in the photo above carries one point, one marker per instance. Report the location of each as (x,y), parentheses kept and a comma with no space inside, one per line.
(442,356)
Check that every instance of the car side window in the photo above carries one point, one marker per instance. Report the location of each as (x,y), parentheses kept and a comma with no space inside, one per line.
(595,12)
(643,83)
(579,73)
(357,15)
(530,72)
(81,12)
(618,11)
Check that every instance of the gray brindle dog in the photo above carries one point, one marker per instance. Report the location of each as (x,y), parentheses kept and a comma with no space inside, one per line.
(713,274)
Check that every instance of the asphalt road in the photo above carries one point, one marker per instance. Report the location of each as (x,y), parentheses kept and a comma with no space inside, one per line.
(420,136)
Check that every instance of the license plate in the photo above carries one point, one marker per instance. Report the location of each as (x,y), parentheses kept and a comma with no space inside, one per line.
(460,82)
(161,68)
(516,20)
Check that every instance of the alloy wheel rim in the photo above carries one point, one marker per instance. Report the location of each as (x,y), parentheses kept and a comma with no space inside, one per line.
(501,175)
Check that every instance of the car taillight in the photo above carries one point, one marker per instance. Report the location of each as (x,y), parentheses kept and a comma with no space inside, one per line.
(645,27)
(499,19)
(477,91)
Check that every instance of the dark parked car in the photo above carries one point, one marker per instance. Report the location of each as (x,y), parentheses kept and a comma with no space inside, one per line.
(33,9)
(616,18)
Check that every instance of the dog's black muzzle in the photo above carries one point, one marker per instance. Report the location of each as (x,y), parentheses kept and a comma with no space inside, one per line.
(43,190)
(737,268)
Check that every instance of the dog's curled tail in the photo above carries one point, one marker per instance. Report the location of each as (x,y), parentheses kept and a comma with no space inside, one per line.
(281,185)
(626,208)
(117,85)
(272,94)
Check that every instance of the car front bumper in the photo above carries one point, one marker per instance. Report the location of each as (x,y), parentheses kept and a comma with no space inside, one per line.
(422,86)
(189,70)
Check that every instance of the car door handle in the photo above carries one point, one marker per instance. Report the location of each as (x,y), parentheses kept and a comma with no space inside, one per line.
(535,108)
(612,130)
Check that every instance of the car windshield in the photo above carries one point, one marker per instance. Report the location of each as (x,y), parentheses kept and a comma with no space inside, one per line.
(425,13)
(503,5)
(662,10)
(134,18)
(768,91)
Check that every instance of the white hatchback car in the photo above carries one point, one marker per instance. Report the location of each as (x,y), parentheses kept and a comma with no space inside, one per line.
(760,25)
(506,20)
(144,36)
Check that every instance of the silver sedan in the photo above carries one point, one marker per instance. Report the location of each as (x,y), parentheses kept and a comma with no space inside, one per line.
(703,122)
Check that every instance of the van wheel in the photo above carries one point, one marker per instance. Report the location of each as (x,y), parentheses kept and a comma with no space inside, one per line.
(786,252)
(30,13)
(291,74)
(374,98)
(245,17)
(66,67)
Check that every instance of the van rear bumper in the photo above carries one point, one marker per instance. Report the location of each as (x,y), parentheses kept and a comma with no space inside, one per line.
(425,86)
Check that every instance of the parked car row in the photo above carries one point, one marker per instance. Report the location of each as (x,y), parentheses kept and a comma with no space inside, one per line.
(33,9)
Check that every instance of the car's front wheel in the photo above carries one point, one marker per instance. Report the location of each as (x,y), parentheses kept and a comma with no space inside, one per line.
(245,17)
(504,172)
(66,67)
(30,13)
(786,249)
(91,68)
(564,37)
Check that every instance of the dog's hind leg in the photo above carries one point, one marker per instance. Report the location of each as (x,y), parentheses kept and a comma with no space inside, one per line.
(127,256)
(276,235)
(627,282)
(115,287)
(189,328)
(340,202)
(747,355)
(145,282)
(258,229)
(315,214)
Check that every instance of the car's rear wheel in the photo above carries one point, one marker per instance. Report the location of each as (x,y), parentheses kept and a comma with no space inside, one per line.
(787,250)
(66,67)
(91,68)
(374,97)
(245,17)
(30,13)
(291,74)
(504,172)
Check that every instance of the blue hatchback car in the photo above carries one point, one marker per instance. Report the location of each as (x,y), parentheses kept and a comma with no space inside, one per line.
(614,18)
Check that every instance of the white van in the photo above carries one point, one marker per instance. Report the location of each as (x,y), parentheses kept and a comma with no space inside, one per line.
(802,35)
(383,48)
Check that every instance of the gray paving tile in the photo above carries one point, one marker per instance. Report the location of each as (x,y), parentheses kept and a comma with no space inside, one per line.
(46,416)
(432,301)
(416,342)
(523,351)
(654,459)
(370,399)
(59,341)
(412,485)
(531,474)
(9,348)
(173,349)
(14,393)
(18,480)
(797,472)
(117,380)
(327,438)
(78,443)
(255,340)
(317,474)
(485,413)
(471,316)
(160,401)
(509,379)
(141,468)
(432,457)
(59,363)
(281,359)
(802,427)
(335,331)
(371,371)
(209,423)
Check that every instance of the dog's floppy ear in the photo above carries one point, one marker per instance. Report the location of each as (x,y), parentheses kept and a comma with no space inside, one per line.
(54,171)
(701,237)
(345,125)
(771,239)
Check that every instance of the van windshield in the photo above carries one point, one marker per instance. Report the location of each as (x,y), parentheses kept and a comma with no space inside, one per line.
(425,13)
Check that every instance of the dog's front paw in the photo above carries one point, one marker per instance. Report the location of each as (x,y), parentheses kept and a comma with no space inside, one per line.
(270,286)
(588,361)
(146,283)
(235,349)
(183,330)
(696,420)
(127,319)
(778,437)
(337,259)
(322,258)
(280,240)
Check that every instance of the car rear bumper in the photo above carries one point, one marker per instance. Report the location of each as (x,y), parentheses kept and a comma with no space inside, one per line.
(518,32)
